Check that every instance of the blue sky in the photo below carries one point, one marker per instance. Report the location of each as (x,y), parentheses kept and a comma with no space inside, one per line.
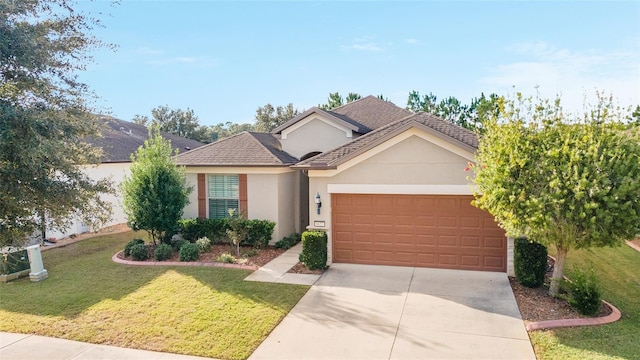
(225,59)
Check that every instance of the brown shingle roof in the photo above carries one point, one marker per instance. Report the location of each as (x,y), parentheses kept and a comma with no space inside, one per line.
(122,138)
(371,112)
(243,149)
(362,116)
(431,123)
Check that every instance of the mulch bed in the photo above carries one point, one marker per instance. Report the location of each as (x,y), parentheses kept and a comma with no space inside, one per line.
(538,305)
(262,257)
(300,268)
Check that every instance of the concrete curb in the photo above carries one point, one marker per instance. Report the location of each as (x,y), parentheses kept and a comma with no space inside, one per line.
(633,246)
(553,324)
(116,259)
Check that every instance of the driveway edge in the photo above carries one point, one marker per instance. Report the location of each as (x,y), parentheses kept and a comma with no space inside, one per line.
(554,324)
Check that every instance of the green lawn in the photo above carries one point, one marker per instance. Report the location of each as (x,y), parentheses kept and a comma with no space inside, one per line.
(190,310)
(618,270)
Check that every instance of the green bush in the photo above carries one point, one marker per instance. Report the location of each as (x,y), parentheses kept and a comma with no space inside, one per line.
(214,229)
(14,262)
(288,242)
(314,249)
(226,258)
(530,262)
(204,244)
(130,244)
(250,253)
(259,232)
(189,252)
(163,252)
(584,292)
(178,243)
(140,252)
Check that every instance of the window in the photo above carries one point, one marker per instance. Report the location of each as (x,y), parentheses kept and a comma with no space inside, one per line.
(223,195)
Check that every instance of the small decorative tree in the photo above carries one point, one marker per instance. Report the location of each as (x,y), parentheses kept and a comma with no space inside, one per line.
(156,193)
(568,181)
(237,231)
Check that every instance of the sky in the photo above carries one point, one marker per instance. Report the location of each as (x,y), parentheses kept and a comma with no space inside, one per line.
(223,59)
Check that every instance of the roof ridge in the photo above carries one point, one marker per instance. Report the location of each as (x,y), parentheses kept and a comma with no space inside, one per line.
(354,101)
(252,133)
(211,144)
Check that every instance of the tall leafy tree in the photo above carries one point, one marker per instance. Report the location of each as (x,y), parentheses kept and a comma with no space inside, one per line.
(45,118)
(267,118)
(335,100)
(565,180)
(155,194)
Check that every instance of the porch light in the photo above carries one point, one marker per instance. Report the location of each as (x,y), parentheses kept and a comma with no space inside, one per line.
(318,202)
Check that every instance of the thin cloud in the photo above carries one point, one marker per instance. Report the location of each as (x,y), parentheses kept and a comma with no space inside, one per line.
(186,60)
(569,73)
(413,41)
(149,51)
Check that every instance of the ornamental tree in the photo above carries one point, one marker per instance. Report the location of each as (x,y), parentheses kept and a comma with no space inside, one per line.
(564,180)
(155,195)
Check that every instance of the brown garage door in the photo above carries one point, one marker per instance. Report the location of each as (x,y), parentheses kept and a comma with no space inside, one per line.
(439,231)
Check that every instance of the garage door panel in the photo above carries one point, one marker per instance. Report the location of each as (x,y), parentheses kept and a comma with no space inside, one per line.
(416,230)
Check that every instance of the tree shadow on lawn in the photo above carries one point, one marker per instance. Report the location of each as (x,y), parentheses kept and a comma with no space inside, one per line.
(82,275)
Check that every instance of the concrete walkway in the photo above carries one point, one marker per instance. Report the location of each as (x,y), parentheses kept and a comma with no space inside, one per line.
(28,347)
(383,312)
(275,271)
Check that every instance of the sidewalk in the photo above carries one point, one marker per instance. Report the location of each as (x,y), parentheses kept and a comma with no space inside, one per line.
(275,271)
(27,347)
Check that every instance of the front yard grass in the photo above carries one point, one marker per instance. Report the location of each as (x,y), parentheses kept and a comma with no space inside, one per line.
(200,311)
(618,270)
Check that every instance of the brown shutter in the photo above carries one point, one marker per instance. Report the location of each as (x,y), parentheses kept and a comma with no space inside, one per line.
(243,200)
(202,196)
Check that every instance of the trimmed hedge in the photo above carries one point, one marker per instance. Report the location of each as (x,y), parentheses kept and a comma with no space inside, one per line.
(139,252)
(314,249)
(530,262)
(189,252)
(130,244)
(584,292)
(259,232)
(163,252)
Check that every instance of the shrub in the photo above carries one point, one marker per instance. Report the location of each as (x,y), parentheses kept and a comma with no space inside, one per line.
(130,244)
(530,262)
(250,253)
(139,252)
(288,242)
(163,252)
(214,229)
(226,258)
(189,252)
(584,292)
(204,244)
(178,243)
(259,232)
(314,249)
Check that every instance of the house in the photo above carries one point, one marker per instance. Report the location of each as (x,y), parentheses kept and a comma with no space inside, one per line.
(119,140)
(387,185)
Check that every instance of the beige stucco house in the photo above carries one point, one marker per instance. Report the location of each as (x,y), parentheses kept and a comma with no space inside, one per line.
(391,183)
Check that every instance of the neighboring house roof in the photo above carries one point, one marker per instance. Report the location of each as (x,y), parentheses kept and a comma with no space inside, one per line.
(361,116)
(243,149)
(450,132)
(122,138)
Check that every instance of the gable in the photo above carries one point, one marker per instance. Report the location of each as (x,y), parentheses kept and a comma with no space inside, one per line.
(412,157)
(314,134)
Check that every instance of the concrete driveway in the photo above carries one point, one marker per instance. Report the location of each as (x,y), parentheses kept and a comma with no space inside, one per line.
(384,312)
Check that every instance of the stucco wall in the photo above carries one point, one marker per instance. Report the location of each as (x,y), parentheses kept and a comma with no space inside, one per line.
(313,135)
(271,195)
(115,171)
(191,210)
(410,162)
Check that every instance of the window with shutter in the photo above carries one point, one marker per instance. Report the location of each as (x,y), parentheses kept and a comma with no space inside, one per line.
(223,195)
